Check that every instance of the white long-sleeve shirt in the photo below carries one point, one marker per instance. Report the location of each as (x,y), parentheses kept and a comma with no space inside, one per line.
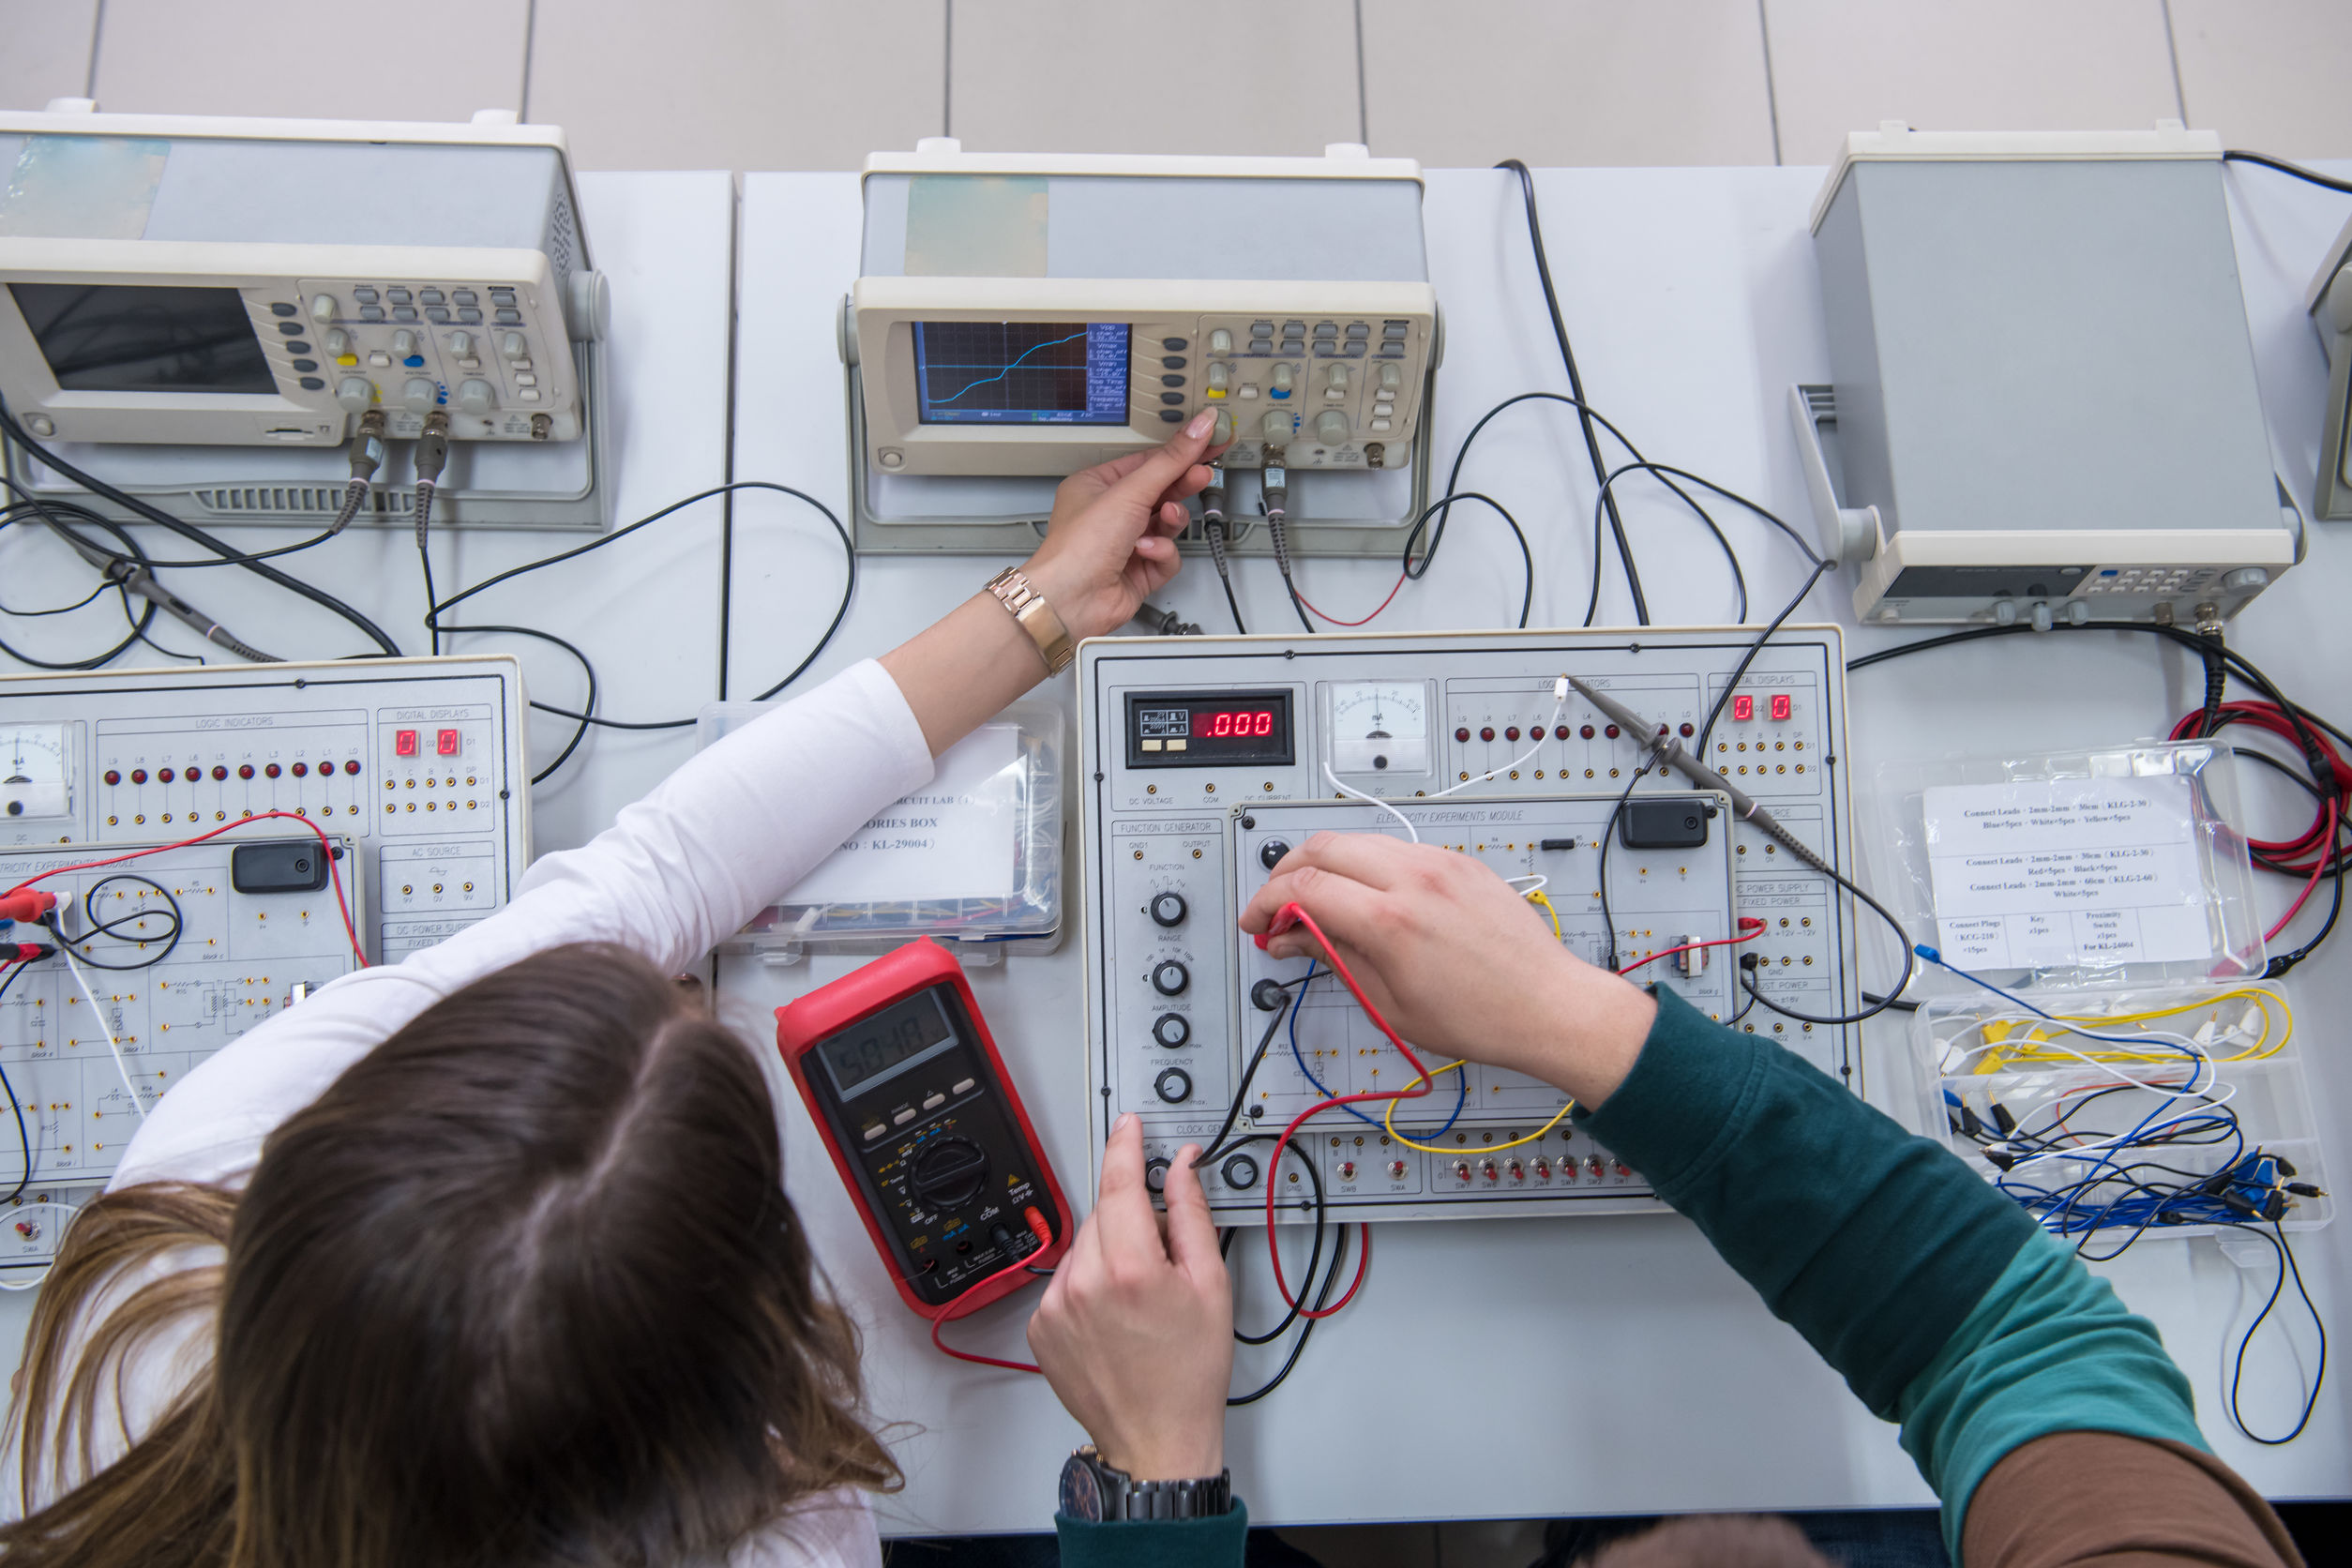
(677,873)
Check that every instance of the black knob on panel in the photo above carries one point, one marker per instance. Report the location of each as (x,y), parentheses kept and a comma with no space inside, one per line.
(1269,853)
(1167,908)
(1171,978)
(1155,1175)
(950,1172)
(1172,1030)
(1240,1172)
(1174,1085)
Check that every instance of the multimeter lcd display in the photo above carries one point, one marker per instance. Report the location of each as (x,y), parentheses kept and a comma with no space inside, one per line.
(1197,729)
(1022,372)
(879,1046)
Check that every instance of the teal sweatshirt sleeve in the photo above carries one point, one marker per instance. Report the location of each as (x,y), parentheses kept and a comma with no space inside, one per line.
(1214,1543)
(1940,1303)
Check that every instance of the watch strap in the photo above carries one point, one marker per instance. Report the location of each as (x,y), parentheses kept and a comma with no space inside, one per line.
(1036,617)
(1109,1495)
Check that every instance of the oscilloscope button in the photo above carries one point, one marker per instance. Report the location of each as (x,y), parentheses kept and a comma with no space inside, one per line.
(1172,342)
(1172,361)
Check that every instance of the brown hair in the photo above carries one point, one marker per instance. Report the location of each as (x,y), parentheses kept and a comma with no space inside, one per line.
(522,1287)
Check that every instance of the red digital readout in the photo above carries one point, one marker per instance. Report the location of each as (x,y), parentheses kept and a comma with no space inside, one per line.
(1236,726)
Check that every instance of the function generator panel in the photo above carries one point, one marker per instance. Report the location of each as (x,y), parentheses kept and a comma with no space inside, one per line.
(1203,758)
(245,926)
(420,762)
(164,284)
(1027,315)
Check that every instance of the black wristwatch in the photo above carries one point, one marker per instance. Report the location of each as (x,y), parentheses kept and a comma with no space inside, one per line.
(1098,1493)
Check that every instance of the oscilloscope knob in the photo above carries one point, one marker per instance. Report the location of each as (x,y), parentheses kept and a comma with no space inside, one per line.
(1167,908)
(1172,1030)
(355,393)
(1331,427)
(1171,978)
(950,1173)
(1174,1085)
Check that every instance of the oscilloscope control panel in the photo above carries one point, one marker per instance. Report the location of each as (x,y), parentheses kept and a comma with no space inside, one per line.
(1205,759)
(420,762)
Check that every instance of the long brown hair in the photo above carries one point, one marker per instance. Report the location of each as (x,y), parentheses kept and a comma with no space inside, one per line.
(522,1287)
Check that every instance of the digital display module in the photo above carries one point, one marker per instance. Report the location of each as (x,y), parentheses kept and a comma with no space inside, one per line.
(145,337)
(879,1045)
(1022,372)
(1198,728)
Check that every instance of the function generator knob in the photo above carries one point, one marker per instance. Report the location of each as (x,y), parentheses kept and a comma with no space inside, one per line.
(950,1173)
(419,395)
(1269,853)
(1167,908)
(1155,1175)
(354,394)
(1172,1030)
(1331,427)
(1240,1172)
(1171,978)
(1174,1085)
(473,397)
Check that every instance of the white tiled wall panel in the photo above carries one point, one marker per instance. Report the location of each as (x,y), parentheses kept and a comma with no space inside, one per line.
(1567,82)
(738,83)
(323,59)
(1965,64)
(44,49)
(1114,76)
(2273,75)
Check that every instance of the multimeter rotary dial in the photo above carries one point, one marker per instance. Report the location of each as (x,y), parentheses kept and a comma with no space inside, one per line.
(949,1173)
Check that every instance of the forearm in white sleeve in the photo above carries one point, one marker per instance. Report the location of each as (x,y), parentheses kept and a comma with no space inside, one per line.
(676,873)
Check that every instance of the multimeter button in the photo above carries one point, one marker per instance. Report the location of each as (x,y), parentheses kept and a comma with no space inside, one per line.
(874,1130)
(1173,1085)
(950,1172)
(1172,1030)
(1155,1175)
(932,1102)
(961,1086)
(1240,1172)
(903,1117)
(1167,908)
(1171,978)
(1269,853)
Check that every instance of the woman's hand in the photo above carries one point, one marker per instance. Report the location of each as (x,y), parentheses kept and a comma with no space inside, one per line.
(1111,540)
(1135,1332)
(1456,960)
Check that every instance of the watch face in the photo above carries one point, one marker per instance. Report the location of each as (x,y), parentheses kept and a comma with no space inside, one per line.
(1082,1491)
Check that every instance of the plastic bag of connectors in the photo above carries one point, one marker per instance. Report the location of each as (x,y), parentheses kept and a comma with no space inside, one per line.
(2119,866)
(973,858)
(2161,1111)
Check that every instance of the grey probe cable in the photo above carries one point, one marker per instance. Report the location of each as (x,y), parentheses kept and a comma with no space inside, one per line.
(134,577)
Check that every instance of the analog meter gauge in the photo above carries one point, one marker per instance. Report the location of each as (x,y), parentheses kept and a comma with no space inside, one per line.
(35,773)
(1380,727)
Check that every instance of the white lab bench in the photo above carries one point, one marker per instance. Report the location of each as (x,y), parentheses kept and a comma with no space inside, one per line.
(1490,1368)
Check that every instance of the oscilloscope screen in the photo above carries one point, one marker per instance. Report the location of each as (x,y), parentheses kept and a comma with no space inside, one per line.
(1022,372)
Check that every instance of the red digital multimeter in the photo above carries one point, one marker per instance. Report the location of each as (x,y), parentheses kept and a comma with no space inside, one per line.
(903,1081)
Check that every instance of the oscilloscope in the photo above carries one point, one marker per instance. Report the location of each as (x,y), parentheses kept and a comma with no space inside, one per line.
(1031,315)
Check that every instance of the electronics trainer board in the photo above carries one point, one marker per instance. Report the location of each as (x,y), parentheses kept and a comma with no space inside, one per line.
(1202,758)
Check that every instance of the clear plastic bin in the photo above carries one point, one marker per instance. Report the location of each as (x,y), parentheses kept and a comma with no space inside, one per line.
(973,858)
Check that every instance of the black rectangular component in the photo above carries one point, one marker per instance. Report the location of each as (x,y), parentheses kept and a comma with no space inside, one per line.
(1557,844)
(145,337)
(289,866)
(1209,728)
(1663,825)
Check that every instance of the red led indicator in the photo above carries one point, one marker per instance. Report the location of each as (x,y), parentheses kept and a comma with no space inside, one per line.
(1221,726)
(445,742)
(1781,705)
(404,742)
(1742,708)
